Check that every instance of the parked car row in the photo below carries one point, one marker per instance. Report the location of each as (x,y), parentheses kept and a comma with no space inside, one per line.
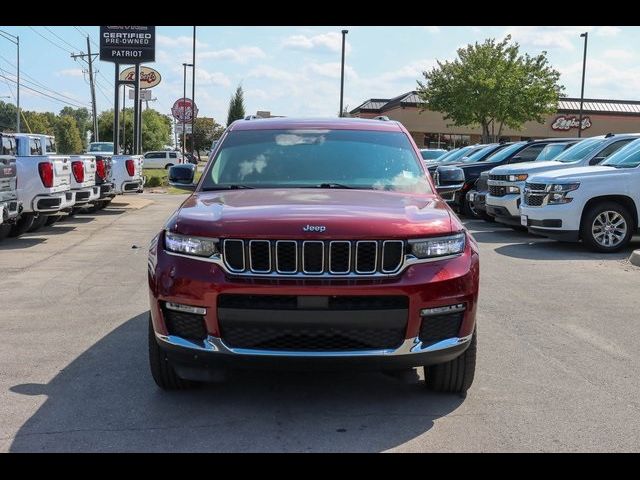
(38,186)
(568,189)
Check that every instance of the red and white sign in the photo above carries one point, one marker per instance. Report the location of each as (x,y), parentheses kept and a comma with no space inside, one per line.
(148,76)
(564,123)
(181,110)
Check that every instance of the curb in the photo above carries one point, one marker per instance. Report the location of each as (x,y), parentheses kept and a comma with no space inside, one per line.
(635,258)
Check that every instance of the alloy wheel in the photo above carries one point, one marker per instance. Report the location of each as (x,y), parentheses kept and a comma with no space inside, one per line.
(609,228)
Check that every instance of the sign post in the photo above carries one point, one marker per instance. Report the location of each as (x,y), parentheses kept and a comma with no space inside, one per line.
(129,45)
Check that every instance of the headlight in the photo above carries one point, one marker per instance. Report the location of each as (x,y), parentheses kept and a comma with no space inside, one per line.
(438,247)
(521,177)
(201,247)
(513,190)
(558,193)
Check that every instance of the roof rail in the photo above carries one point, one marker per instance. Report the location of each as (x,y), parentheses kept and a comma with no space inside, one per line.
(251,117)
(384,118)
(609,135)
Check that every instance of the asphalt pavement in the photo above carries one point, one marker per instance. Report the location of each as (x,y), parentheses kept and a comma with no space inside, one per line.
(558,366)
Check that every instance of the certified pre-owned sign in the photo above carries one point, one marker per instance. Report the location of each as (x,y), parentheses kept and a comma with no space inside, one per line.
(128,45)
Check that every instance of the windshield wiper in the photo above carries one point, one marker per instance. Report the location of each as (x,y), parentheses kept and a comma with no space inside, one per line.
(333,185)
(235,186)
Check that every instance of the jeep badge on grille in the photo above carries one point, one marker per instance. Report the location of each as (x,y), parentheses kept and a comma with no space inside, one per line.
(314,228)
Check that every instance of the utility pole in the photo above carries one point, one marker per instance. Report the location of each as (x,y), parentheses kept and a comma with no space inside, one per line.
(15,40)
(89,57)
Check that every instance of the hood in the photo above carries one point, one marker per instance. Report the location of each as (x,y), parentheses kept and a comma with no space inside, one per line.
(284,213)
(527,167)
(570,174)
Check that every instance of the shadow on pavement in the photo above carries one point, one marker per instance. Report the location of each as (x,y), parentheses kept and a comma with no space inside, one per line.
(106,400)
(20,243)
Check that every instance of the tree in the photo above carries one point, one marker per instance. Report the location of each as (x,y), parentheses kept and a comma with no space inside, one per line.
(67,135)
(8,116)
(156,129)
(491,84)
(205,130)
(83,119)
(37,122)
(236,106)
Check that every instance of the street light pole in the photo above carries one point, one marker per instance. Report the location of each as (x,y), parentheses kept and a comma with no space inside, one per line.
(193,93)
(16,40)
(344,33)
(184,105)
(584,66)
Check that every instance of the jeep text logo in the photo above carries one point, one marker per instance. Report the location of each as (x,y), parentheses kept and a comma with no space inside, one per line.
(314,228)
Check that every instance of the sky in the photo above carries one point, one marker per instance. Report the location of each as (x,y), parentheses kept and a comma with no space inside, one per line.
(295,71)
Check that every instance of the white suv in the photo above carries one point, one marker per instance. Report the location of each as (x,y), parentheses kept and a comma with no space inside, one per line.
(162,159)
(598,205)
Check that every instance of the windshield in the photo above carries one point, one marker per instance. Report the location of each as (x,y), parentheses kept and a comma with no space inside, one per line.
(580,150)
(504,153)
(317,158)
(550,151)
(101,147)
(480,153)
(432,154)
(457,156)
(627,157)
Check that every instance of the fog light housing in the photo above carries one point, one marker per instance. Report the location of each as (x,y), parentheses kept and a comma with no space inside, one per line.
(427,312)
(178,307)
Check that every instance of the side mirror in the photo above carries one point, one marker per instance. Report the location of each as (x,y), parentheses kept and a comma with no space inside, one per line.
(181,176)
(596,160)
(516,159)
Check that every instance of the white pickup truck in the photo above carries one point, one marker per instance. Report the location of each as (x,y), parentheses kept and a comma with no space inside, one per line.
(125,172)
(44,183)
(506,182)
(598,204)
(9,205)
(83,173)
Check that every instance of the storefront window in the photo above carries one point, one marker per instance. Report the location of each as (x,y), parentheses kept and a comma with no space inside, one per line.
(446,140)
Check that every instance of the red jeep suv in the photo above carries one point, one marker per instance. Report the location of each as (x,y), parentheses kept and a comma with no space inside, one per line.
(313,244)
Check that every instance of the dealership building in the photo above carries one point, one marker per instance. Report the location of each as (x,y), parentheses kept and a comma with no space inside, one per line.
(430,130)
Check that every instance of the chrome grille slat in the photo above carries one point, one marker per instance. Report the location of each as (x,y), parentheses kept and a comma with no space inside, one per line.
(339,258)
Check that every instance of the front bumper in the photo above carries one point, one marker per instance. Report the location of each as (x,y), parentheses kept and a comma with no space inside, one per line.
(52,203)
(477,200)
(561,222)
(510,203)
(86,195)
(427,285)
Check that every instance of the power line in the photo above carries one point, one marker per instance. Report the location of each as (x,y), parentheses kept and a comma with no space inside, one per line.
(85,34)
(50,41)
(44,94)
(38,84)
(58,36)
(100,89)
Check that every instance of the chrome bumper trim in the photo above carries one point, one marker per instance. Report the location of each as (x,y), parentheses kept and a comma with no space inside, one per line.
(215,345)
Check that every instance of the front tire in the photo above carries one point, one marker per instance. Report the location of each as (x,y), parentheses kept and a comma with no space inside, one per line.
(606,227)
(163,373)
(5,229)
(455,376)
(38,223)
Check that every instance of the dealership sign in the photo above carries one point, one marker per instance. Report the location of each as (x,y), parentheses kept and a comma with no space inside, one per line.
(182,112)
(564,122)
(148,76)
(128,44)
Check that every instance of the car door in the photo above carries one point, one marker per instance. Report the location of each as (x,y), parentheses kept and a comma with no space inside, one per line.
(154,160)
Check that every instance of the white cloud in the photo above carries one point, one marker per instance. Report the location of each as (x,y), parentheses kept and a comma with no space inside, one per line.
(272,73)
(180,41)
(330,41)
(618,54)
(331,70)
(604,79)
(211,78)
(565,38)
(412,70)
(70,72)
(240,54)
(431,29)
(607,31)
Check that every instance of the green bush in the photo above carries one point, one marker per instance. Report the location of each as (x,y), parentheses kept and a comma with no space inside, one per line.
(154,182)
